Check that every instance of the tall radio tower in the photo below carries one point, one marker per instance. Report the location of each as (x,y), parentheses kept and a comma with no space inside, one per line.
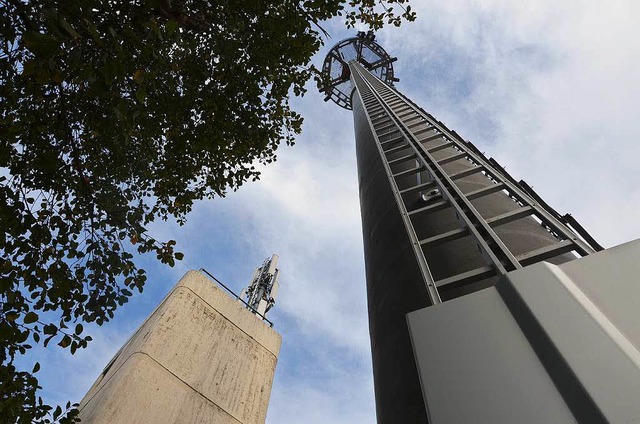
(471,317)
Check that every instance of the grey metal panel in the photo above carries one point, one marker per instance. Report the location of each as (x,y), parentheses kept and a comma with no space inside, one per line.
(594,362)
(613,286)
(547,344)
(476,366)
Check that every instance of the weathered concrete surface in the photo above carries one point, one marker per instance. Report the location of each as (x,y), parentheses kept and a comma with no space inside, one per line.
(200,357)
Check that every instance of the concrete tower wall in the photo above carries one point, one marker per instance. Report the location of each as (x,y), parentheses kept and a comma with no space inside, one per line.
(201,357)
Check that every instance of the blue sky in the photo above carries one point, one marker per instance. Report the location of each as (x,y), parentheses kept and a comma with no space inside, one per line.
(550,89)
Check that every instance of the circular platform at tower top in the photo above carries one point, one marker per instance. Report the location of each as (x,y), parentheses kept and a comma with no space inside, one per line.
(335,69)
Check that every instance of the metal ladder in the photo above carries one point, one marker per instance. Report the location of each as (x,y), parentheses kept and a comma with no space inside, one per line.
(398,125)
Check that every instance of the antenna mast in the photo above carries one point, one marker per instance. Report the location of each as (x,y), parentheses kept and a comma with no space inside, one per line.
(263,288)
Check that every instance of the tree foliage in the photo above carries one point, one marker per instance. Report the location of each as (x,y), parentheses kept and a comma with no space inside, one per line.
(116,113)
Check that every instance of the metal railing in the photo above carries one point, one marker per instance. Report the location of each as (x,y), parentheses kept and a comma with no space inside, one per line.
(221,284)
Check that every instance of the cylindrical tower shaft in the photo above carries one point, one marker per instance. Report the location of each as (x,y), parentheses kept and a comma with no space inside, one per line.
(439,219)
(438,222)
(394,284)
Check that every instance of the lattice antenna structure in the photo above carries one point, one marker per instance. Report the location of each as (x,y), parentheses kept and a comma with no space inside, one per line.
(363,49)
(263,288)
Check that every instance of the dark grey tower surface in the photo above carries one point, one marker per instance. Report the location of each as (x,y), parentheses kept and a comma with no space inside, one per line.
(439,219)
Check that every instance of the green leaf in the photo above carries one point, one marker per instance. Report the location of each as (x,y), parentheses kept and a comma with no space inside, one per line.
(141,94)
(57,412)
(36,368)
(47,340)
(79,329)
(67,27)
(65,342)
(42,45)
(171,27)
(30,318)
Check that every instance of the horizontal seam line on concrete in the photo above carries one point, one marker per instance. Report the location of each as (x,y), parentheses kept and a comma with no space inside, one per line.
(170,372)
(174,289)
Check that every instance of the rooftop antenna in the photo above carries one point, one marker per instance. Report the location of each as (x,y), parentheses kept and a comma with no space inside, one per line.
(263,288)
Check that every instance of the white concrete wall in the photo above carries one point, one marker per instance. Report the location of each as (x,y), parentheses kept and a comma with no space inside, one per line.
(200,357)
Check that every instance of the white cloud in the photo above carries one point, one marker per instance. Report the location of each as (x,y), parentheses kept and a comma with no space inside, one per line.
(338,399)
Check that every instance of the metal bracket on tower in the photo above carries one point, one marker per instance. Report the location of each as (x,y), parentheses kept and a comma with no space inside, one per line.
(263,288)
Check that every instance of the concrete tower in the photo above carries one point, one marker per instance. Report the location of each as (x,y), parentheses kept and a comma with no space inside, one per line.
(202,356)
(448,236)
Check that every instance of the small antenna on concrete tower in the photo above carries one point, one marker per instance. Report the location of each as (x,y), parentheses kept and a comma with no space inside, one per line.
(263,287)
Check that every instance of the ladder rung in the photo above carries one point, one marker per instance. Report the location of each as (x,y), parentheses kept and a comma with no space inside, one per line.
(402,115)
(546,252)
(445,237)
(468,277)
(383,121)
(466,172)
(395,103)
(402,110)
(402,159)
(431,138)
(380,119)
(426,186)
(423,130)
(493,188)
(392,140)
(409,172)
(510,216)
(414,117)
(389,125)
(440,147)
(393,131)
(394,149)
(452,158)
(433,207)
(415,124)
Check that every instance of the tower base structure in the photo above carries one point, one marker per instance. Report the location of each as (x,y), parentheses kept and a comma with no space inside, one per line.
(547,344)
(201,357)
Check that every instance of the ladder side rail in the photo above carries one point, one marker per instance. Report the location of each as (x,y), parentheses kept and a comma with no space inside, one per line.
(434,295)
(545,216)
(450,191)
